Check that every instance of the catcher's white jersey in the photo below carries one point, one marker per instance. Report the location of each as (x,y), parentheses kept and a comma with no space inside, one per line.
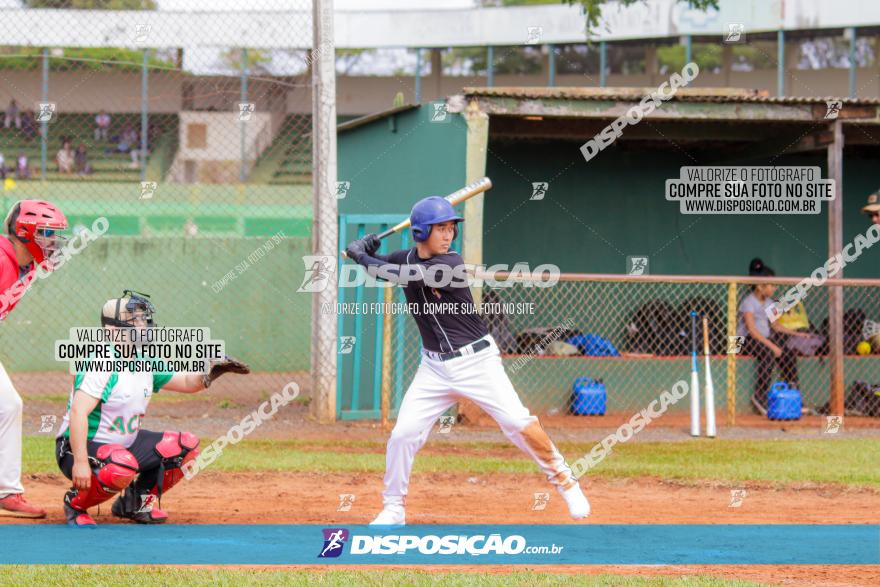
(123,400)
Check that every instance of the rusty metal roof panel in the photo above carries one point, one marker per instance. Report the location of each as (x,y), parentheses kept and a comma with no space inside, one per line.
(719,95)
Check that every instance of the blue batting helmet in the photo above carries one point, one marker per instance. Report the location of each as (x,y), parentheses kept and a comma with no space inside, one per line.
(433,210)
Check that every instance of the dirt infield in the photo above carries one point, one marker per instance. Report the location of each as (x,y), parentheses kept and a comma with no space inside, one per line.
(212,412)
(312,498)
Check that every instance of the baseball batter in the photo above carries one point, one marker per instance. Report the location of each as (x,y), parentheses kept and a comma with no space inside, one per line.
(31,227)
(101,446)
(459,359)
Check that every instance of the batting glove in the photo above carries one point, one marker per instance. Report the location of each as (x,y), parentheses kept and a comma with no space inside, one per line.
(356,249)
(372,244)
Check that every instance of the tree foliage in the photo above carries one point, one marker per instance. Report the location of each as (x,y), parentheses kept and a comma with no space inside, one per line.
(593,8)
(82,59)
(94,4)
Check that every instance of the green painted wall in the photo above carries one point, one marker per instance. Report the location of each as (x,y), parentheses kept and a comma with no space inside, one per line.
(396,161)
(217,210)
(390,163)
(593,216)
(596,214)
(259,314)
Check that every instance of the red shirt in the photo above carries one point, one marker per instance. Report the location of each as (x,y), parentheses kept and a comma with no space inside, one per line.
(10,275)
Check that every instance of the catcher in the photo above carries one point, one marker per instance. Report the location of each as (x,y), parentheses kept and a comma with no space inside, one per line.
(100,446)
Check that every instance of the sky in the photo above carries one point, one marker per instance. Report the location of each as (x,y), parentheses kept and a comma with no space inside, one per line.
(232,5)
(383,62)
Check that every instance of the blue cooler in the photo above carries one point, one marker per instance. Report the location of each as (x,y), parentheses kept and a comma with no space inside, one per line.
(588,397)
(784,402)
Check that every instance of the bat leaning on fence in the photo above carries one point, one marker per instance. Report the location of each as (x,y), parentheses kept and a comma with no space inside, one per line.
(710,386)
(695,380)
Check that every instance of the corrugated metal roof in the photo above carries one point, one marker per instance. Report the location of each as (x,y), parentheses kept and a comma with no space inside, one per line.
(623,94)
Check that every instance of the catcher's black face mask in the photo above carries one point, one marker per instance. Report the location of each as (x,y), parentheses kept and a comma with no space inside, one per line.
(131,308)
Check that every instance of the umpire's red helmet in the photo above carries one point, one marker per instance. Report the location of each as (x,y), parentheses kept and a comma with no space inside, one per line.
(34,222)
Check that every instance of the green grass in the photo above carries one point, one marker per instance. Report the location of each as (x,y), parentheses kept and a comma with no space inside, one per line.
(825,460)
(838,461)
(64,576)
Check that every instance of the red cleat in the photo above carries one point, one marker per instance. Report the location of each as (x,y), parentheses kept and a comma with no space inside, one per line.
(78,519)
(17,506)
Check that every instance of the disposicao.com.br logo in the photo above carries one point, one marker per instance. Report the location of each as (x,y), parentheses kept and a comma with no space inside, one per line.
(450,544)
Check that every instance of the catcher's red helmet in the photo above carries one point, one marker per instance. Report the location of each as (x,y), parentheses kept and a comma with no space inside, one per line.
(34,222)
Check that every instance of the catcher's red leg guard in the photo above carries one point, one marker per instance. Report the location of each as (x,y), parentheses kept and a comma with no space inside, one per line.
(116,468)
(175,448)
(179,449)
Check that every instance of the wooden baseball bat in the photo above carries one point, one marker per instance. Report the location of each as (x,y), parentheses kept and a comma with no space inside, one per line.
(455,198)
(710,386)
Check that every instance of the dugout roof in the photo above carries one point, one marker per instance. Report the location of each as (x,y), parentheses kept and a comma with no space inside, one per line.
(704,115)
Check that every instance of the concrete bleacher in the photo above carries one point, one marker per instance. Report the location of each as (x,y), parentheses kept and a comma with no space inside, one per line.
(288,160)
(107,164)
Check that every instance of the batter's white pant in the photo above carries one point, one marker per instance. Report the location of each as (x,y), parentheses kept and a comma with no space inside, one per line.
(10,437)
(479,377)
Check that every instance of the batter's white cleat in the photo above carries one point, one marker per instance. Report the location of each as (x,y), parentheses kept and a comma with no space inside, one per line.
(578,505)
(392,514)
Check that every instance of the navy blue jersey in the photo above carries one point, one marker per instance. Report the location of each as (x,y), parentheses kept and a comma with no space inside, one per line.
(438,296)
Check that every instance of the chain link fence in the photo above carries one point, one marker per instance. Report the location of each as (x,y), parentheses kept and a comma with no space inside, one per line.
(633,335)
(192,135)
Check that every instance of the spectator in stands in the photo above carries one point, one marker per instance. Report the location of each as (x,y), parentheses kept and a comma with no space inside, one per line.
(12,115)
(64,158)
(765,340)
(102,126)
(153,132)
(28,125)
(127,139)
(128,143)
(81,160)
(22,168)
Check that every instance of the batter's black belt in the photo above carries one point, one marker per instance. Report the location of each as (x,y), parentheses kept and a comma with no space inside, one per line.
(470,349)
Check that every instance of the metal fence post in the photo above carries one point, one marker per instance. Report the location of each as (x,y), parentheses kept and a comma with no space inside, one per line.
(145,105)
(44,124)
(780,63)
(851,32)
(387,319)
(324,222)
(242,172)
(490,66)
(418,76)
